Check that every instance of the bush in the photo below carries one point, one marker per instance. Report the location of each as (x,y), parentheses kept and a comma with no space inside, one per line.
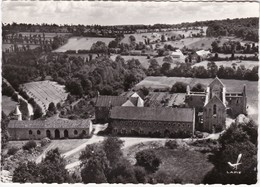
(148,159)
(178,87)
(30,145)
(45,141)
(12,150)
(171,144)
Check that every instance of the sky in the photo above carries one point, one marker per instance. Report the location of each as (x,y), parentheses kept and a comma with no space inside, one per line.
(122,13)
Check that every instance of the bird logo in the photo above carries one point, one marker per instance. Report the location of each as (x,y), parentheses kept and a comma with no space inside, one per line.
(234,166)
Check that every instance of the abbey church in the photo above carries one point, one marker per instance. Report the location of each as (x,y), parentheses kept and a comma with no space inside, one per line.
(213,105)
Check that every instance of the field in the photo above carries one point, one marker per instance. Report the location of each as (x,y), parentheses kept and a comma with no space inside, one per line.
(231,86)
(189,166)
(9,46)
(246,63)
(8,105)
(81,43)
(47,34)
(153,36)
(45,92)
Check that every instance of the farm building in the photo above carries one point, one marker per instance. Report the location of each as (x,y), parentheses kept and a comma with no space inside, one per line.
(152,122)
(51,128)
(105,103)
(177,54)
(214,104)
(203,54)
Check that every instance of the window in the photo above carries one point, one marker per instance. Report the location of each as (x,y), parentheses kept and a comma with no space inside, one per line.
(75,132)
(214,109)
(237,101)
(38,132)
(30,131)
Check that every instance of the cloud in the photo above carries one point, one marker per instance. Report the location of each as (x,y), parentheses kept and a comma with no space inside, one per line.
(108,13)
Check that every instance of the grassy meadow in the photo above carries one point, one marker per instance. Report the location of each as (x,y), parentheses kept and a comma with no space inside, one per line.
(8,105)
(81,43)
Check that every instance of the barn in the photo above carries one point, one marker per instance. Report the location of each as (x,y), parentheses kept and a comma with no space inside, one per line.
(51,128)
(152,122)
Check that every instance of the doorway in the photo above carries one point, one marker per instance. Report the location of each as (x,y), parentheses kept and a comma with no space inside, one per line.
(66,133)
(48,133)
(57,134)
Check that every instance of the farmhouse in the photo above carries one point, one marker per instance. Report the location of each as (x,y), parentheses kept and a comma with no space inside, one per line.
(152,122)
(177,54)
(203,54)
(51,128)
(105,103)
(214,104)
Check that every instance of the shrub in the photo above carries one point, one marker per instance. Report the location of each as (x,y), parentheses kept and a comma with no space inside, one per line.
(12,150)
(178,87)
(45,141)
(30,145)
(148,159)
(171,144)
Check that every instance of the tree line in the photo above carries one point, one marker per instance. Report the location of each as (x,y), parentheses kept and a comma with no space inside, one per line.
(212,70)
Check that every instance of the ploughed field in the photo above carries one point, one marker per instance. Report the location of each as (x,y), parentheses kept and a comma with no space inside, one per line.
(231,86)
(82,43)
(45,92)
(230,63)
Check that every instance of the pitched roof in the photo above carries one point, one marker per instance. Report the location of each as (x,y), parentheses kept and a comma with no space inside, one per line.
(216,80)
(49,123)
(17,111)
(214,99)
(153,114)
(106,101)
(202,52)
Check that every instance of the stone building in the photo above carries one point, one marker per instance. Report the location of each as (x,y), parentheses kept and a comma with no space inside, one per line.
(51,128)
(104,104)
(152,122)
(213,105)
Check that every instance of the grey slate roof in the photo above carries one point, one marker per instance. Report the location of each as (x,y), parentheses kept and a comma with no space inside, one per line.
(106,101)
(153,114)
(50,123)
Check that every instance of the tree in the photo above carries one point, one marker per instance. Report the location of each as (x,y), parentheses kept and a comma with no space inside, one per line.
(99,47)
(26,172)
(52,108)
(140,174)
(4,133)
(132,39)
(74,87)
(148,160)
(198,88)
(37,112)
(145,91)
(234,141)
(113,44)
(212,69)
(112,147)
(52,168)
(165,68)
(122,172)
(95,165)
(178,87)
